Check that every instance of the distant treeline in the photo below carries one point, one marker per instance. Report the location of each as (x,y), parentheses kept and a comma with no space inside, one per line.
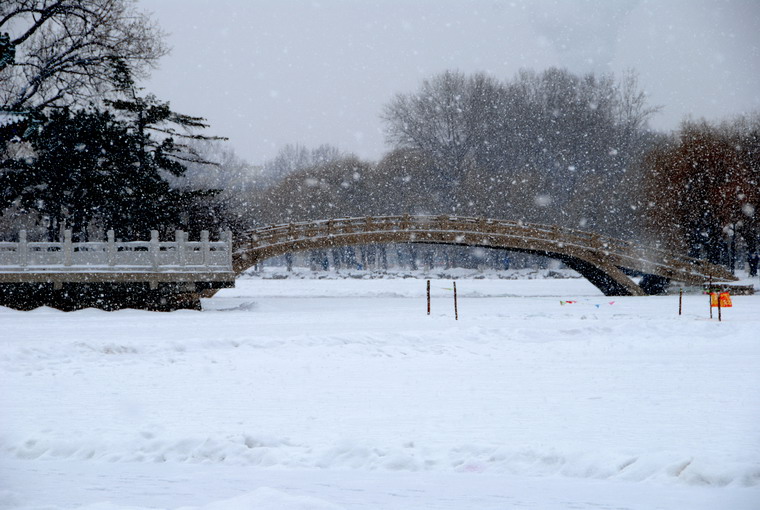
(82,147)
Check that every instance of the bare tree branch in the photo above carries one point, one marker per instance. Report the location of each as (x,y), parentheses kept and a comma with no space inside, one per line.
(74,51)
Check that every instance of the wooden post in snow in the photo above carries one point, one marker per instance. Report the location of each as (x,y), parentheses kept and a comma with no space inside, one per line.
(456,310)
(680,301)
(428,297)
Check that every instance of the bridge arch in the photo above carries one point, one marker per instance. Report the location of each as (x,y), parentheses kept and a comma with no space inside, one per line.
(602,260)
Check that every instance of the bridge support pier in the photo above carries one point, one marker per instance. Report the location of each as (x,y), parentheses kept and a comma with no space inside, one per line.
(654,285)
(601,276)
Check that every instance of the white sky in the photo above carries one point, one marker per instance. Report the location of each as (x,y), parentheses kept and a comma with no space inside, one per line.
(270,72)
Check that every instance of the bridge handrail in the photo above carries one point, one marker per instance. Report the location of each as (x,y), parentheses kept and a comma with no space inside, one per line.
(301,228)
(611,247)
(154,255)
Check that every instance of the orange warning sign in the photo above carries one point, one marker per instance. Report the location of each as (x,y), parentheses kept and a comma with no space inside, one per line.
(722,299)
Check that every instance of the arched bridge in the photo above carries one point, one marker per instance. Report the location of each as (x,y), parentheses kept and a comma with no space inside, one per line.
(604,261)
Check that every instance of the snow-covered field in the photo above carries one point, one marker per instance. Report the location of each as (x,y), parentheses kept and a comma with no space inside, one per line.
(343,393)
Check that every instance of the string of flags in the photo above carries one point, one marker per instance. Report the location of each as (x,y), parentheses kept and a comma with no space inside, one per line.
(575,302)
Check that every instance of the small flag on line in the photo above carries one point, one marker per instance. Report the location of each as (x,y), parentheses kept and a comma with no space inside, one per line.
(572,302)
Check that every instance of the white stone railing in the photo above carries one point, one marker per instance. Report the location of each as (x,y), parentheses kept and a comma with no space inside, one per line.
(152,256)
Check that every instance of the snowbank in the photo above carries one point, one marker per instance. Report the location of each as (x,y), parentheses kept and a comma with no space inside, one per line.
(267,452)
(545,379)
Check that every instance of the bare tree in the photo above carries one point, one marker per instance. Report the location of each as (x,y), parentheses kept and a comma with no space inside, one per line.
(62,52)
(293,158)
(632,108)
(220,168)
(577,136)
(334,189)
(438,120)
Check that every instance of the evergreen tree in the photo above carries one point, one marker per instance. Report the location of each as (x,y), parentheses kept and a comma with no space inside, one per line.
(156,128)
(78,158)
(90,166)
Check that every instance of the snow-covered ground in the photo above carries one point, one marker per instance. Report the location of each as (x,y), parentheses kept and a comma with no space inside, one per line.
(343,393)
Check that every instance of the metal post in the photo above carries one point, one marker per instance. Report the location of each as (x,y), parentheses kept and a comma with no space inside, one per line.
(680,301)
(732,250)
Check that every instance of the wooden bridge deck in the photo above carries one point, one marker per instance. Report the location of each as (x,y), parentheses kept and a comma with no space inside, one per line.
(601,259)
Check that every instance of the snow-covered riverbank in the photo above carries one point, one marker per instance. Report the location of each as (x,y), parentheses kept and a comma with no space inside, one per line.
(303,393)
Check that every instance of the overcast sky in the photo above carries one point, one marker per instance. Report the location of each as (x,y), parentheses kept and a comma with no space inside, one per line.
(267,73)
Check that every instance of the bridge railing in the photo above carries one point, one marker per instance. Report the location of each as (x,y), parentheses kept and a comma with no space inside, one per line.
(619,251)
(111,255)
(288,232)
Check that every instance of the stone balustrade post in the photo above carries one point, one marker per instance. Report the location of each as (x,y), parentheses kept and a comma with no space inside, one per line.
(68,248)
(205,248)
(23,249)
(228,239)
(154,249)
(179,240)
(111,248)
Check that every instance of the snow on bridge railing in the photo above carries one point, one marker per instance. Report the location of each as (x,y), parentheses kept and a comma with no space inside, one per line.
(154,256)
(479,225)
(616,251)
